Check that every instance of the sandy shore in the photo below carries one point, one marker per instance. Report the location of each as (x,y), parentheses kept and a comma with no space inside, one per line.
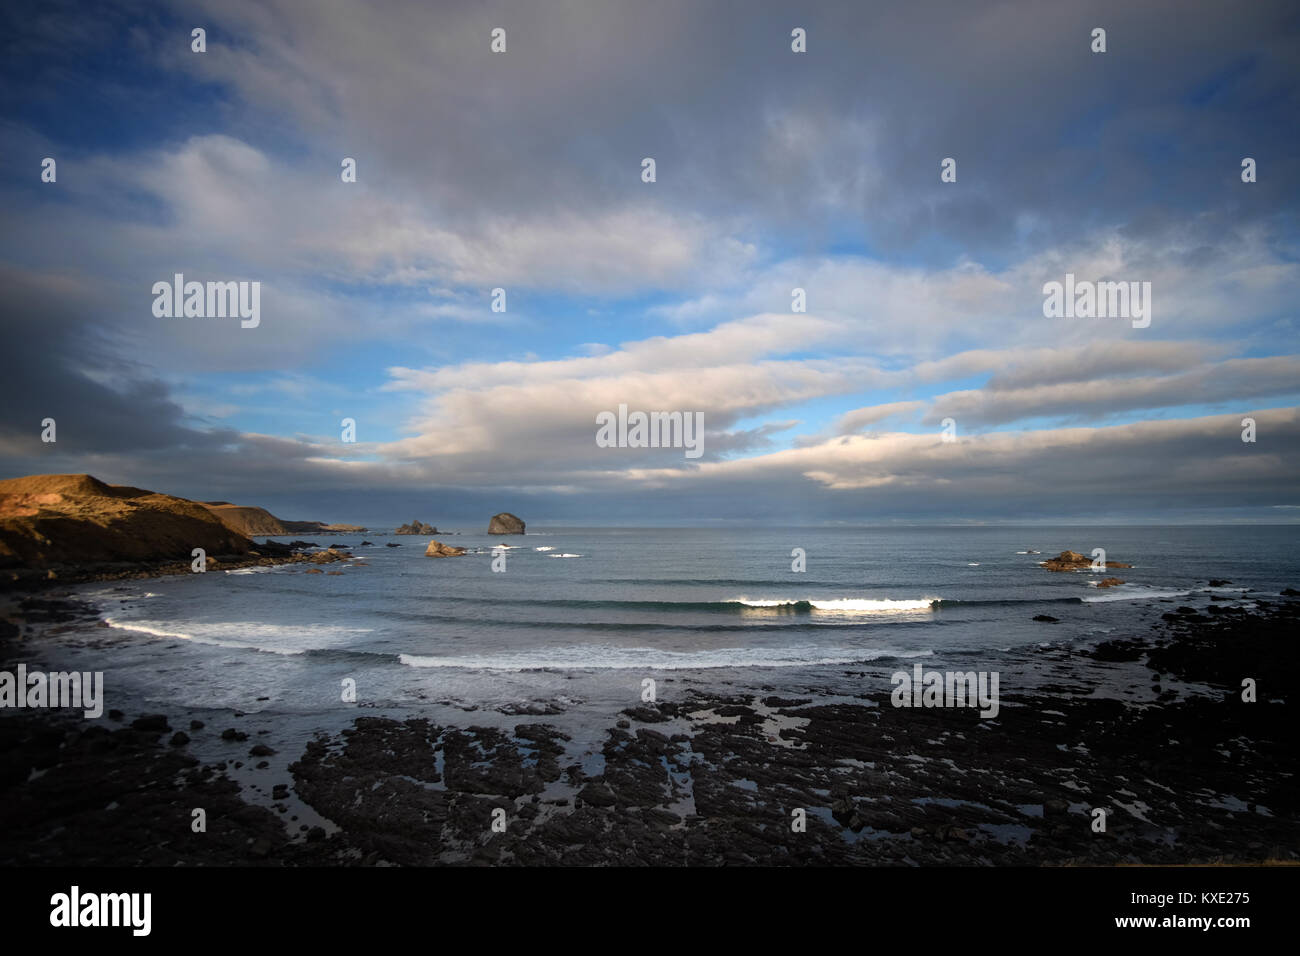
(704,777)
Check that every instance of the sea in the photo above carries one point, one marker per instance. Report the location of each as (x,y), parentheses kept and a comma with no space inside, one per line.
(584,622)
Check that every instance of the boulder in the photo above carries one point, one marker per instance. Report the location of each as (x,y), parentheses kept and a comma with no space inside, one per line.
(1109,583)
(437,549)
(505,523)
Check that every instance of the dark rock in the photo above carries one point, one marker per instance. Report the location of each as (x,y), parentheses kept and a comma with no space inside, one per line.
(152,723)
(1055,808)
(596,796)
(1118,650)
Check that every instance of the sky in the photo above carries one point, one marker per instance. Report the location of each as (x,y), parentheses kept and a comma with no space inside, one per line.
(923,383)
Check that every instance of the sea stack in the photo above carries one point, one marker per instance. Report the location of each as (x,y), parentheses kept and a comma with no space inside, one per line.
(505,523)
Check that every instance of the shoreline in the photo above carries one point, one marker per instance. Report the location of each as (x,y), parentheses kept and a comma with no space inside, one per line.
(32,581)
(707,775)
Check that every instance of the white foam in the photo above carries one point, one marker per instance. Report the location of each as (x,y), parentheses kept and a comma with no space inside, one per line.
(844,605)
(547,548)
(1130,593)
(602,657)
(249,636)
(564,555)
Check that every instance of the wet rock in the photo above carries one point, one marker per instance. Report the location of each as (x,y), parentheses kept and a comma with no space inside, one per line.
(596,796)
(152,723)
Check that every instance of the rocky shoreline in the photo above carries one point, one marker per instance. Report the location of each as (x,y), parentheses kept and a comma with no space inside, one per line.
(30,580)
(709,778)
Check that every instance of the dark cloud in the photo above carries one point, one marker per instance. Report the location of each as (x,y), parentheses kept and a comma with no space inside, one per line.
(59,362)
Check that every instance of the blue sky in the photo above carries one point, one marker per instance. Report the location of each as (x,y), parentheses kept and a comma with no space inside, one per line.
(775,170)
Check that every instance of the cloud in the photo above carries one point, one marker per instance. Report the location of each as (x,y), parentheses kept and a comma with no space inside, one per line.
(1233,380)
(775,172)
(860,418)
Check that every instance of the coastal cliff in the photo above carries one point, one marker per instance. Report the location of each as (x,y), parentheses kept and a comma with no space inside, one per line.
(77,519)
(76,527)
(249,520)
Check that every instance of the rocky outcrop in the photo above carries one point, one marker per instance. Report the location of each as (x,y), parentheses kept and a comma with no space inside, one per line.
(505,523)
(416,527)
(79,520)
(329,556)
(1109,583)
(1074,561)
(437,549)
